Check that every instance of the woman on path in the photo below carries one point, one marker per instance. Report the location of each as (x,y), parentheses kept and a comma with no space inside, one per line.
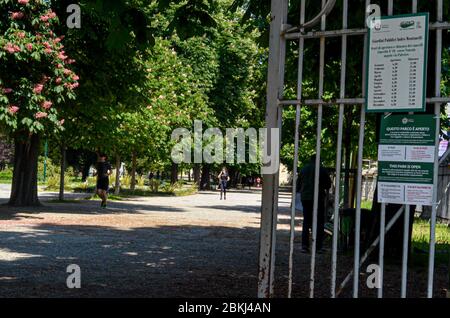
(223,179)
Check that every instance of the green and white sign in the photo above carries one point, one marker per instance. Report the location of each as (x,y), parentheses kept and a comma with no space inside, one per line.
(406,155)
(397,64)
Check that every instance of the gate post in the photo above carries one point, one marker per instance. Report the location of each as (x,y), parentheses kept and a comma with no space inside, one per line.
(269,208)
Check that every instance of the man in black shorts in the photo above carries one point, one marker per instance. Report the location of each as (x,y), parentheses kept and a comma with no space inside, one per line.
(103,171)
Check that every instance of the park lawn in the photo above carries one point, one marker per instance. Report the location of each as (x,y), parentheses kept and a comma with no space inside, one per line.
(421,241)
(6,176)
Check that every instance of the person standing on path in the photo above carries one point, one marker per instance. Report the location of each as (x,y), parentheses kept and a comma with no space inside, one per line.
(305,185)
(223,179)
(103,172)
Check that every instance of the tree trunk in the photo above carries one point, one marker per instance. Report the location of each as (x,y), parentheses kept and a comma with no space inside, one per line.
(197,173)
(174,173)
(62,174)
(24,190)
(85,172)
(117,184)
(133,172)
(189,174)
(205,183)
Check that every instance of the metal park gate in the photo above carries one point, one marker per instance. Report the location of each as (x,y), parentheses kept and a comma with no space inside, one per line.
(280,33)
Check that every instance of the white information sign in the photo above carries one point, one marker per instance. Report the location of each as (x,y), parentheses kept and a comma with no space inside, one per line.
(406,154)
(396,64)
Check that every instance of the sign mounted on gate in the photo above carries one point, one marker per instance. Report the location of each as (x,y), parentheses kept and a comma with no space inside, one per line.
(406,155)
(397,64)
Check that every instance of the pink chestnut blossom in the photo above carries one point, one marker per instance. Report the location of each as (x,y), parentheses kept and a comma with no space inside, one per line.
(75,77)
(39,115)
(48,16)
(7,90)
(38,88)
(21,35)
(47,104)
(58,80)
(71,86)
(12,48)
(9,47)
(23,1)
(17,15)
(13,109)
(29,46)
(62,56)
(61,122)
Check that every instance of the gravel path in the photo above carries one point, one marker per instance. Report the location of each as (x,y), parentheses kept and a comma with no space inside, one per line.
(194,246)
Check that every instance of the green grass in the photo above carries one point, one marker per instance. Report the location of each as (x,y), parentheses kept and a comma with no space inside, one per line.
(421,241)
(6,176)
(366,205)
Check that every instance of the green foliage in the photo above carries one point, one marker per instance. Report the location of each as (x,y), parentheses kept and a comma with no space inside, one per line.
(6,176)
(125,181)
(140,180)
(53,183)
(52,170)
(154,185)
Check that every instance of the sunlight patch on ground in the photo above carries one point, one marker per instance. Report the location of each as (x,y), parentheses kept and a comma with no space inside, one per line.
(11,256)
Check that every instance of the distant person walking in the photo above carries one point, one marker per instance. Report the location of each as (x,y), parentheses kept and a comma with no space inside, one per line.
(103,172)
(223,179)
(305,185)
(250,182)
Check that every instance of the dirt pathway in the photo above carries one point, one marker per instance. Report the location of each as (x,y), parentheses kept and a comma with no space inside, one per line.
(194,246)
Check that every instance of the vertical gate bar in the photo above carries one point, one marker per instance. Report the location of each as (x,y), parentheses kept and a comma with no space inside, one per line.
(362,124)
(381,248)
(317,164)
(383,206)
(294,191)
(296,146)
(270,186)
(358,203)
(414,6)
(339,152)
(437,113)
(405,251)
